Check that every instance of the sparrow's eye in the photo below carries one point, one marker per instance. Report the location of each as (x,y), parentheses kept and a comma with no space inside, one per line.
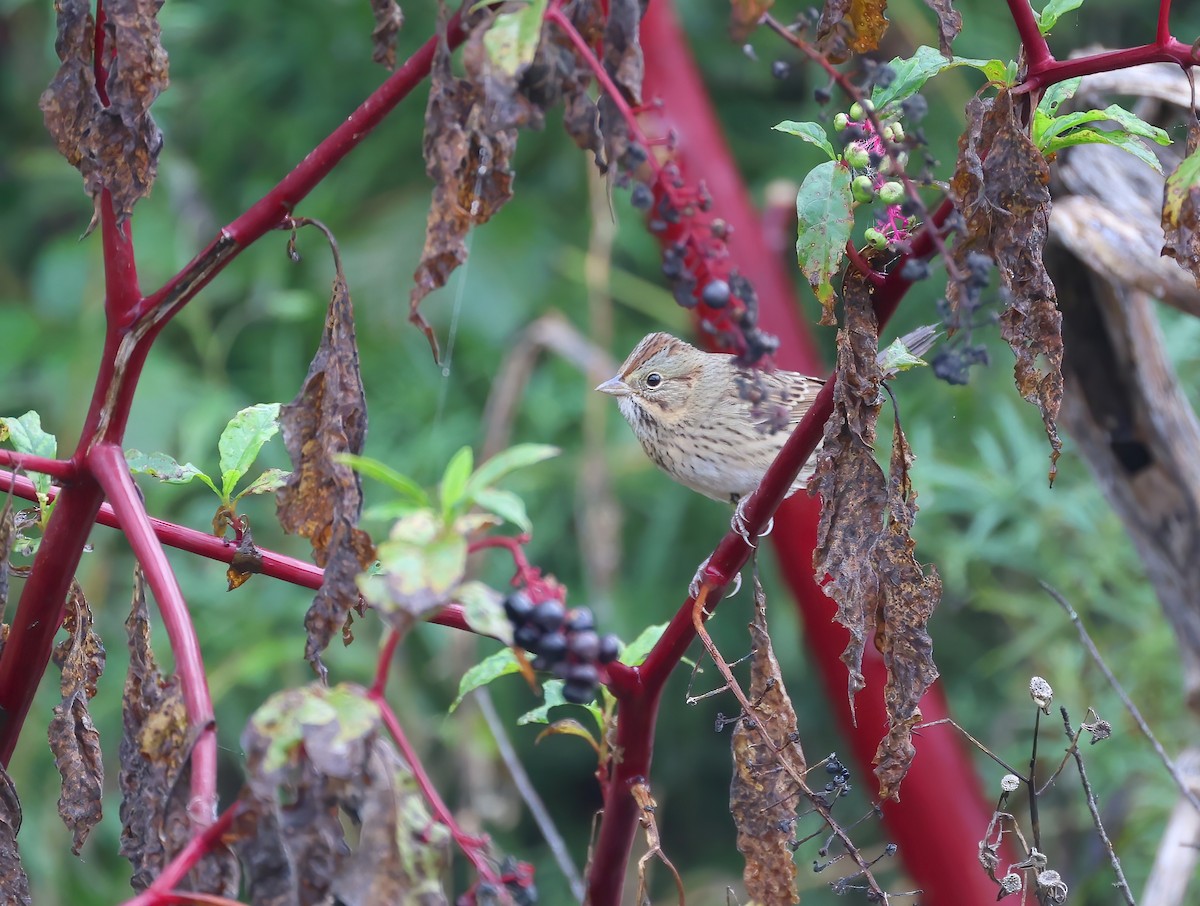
(653,379)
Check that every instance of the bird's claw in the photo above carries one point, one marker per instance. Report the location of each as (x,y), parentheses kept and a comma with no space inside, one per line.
(740,526)
(698,581)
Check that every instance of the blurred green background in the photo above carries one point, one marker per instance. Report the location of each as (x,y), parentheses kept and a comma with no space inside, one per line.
(254,88)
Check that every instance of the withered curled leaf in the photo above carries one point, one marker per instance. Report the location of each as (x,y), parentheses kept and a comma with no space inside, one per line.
(74,739)
(1000,187)
(864,545)
(322,499)
(763,797)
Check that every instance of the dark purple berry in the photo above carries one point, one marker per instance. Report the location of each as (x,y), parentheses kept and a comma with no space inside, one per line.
(610,649)
(685,292)
(822,94)
(716,294)
(527,636)
(781,69)
(582,673)
(584,645)
(642,198)
(578,693)
(518,606)
(548,616)
(580,619)
(552,647)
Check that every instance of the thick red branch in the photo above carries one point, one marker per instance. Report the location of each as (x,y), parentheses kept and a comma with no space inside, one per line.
(62,469)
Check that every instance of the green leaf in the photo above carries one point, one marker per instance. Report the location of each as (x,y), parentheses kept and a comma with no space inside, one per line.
(896,358)
(26,436)
(1118,138)
(506,461)
(454,481)
(408,489)
(165,469)
(1179,184)
(512,40)
(1135,125)
(813,133)
(484,610)
(1057,93)
(242,440)
(924,64)
(492,667)
(506,505)
(635,652)
(267,483)
(1052,12)
(825,213)
(552,697)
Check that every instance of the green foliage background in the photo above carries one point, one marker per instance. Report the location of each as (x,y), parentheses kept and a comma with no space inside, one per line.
(254,87)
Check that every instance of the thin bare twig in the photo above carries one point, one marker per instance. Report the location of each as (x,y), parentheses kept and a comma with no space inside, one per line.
(1121,884)
(1172,768)
(529,794)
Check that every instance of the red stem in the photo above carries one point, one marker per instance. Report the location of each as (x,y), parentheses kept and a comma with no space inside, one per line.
(1051,71)
(107,463)
(62,469)
(275,566)
(1037,51)
(271,210)
(474,848)
(162,890)
(1163,33)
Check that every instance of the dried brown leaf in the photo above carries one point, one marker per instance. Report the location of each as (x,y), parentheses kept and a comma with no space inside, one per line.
(74,739)
(762,796)
(322,499)
(468,159)
(14,884)
(115,146)
(156,769)
(850,482)
(1181,209)
(389,19)
(624,64)
(745,15)
(247,560)
(851,25)
(559,72)
(880,589)
(1000,186)
(949,24)
(908,598)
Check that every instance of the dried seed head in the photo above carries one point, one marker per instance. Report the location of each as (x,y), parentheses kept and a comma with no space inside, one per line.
(1010,883)
(1010,782)
(1041,692)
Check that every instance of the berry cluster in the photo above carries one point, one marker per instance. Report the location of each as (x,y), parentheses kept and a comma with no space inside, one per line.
(562,641)
(874,157)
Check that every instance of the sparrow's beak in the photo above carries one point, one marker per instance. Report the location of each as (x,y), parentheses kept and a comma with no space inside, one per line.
(615,387)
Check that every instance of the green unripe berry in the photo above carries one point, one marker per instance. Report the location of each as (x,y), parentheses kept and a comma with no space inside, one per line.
(862,189)
(889,134)
(897,132)
(857,156)
(858,108)
(875,238)
(840,122)
(891,193)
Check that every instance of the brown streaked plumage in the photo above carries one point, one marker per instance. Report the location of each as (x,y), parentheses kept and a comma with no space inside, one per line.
(711,424)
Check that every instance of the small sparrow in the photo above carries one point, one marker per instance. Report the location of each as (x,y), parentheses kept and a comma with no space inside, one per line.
(715,425)
(710,423)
